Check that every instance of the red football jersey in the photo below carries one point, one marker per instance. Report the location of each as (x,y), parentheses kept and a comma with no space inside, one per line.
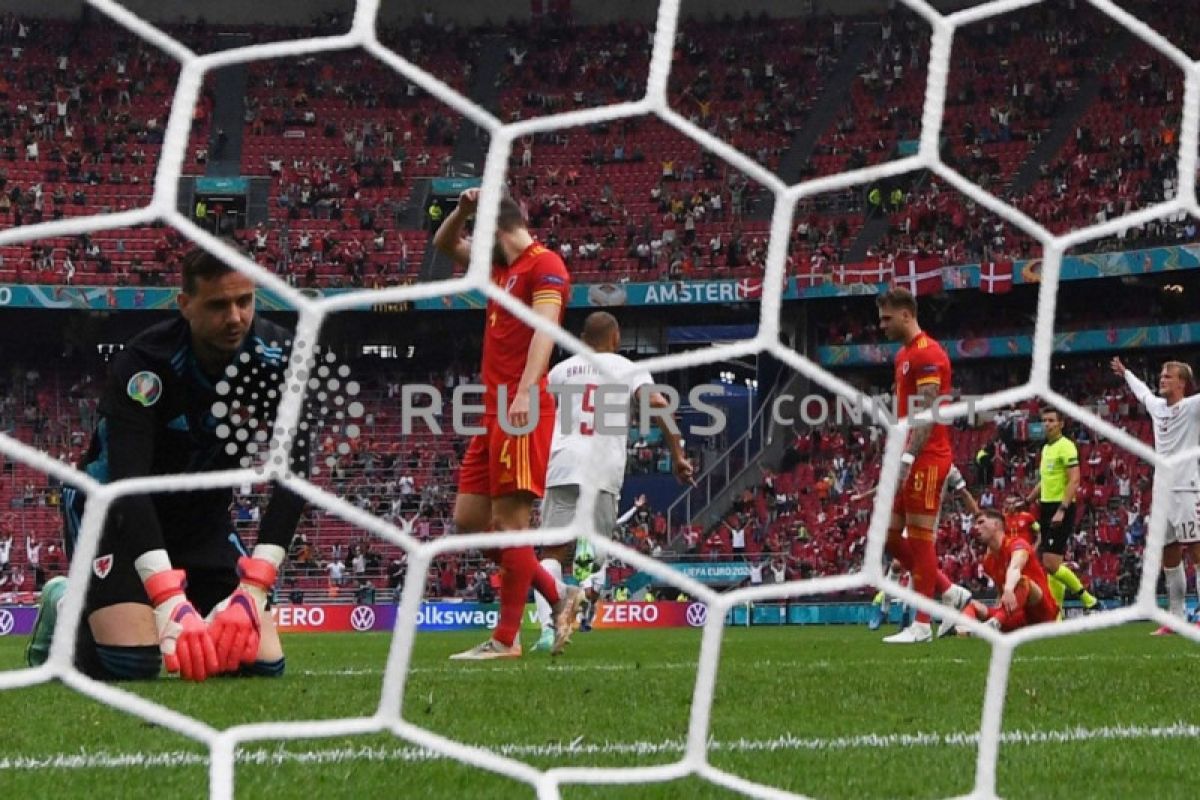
(996,564)
(923,362)
(1023,525)
(538,275)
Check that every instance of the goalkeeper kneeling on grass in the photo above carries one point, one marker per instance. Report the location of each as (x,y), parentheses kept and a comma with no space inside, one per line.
(171,582)
(1012,564)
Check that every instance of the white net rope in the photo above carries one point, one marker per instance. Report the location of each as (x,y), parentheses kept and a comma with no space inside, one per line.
(223,744)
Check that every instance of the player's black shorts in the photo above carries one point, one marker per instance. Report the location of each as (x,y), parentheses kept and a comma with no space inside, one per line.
(209,556)
(1056,537)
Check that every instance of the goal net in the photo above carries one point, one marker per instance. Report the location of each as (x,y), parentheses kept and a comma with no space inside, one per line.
(503,146)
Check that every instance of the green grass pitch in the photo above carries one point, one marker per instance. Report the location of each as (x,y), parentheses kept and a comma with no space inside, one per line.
(828,712)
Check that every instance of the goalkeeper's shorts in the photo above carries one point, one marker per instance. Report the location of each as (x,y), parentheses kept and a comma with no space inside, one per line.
(208,554)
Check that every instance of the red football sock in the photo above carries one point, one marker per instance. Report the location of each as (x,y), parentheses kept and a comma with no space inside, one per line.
(897,547)
(943,583)
(545,584)
(924,570)
(517,565)
(1011,620)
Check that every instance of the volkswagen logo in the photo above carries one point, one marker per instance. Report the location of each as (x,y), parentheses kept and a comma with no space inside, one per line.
(697,615)
(362,618)
(6,622)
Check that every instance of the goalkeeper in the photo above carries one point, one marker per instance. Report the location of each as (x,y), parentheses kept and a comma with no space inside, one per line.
(171,580)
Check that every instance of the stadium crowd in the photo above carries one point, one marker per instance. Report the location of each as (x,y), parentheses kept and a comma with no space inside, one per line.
(801,518)
(343,143)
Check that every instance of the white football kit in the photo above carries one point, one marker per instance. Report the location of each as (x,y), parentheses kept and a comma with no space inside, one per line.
(580,445)
(1176,429)
(579,452)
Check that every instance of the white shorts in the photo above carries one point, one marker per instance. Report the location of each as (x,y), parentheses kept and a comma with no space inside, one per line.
(1183,518)
(597,581)
(558,509)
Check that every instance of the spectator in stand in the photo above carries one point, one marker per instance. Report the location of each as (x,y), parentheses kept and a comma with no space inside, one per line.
(336,569)
(33,557)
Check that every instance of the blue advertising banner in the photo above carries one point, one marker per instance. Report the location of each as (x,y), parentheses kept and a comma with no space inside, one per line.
(594,295)
(454,186)
(222,185)
(457,616)
(109,298)
(1089,341)
(713,572)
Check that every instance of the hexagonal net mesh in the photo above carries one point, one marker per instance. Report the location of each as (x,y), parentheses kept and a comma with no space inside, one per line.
(223,744)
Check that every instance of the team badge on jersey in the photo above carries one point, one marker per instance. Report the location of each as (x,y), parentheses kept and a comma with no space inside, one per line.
(102,566)
(145,387)
(904,368)
(512,281)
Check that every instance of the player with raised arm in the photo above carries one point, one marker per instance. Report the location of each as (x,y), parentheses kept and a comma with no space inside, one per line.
(503,473)
(922,377)
(1057,484)
(581,441)
(1176,416)
(166,560)
(1012,564)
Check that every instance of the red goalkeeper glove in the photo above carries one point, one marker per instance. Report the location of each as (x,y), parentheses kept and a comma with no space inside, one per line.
(236,622)
(183,638)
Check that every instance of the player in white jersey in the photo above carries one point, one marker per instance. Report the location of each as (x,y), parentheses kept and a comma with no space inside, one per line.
(585,447)
(1176,417)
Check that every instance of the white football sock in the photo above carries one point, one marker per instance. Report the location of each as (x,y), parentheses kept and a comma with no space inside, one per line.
(1176,590)
(552,566)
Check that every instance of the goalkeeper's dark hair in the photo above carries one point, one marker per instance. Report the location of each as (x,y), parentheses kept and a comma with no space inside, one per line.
(198,264)
(897,299)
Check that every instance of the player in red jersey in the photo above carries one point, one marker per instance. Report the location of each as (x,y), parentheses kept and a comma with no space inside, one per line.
(1014,567)
(502,473)
(1021,524)
(922,377)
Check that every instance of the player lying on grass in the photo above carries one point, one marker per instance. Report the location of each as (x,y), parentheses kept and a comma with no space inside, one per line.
(1013,565)
(580,442)
(168,561)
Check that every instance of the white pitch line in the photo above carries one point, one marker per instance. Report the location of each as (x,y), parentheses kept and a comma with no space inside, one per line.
(567,666)
(103,759)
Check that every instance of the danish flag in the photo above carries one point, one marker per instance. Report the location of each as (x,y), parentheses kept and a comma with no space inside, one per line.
(919,275)
(996,277)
